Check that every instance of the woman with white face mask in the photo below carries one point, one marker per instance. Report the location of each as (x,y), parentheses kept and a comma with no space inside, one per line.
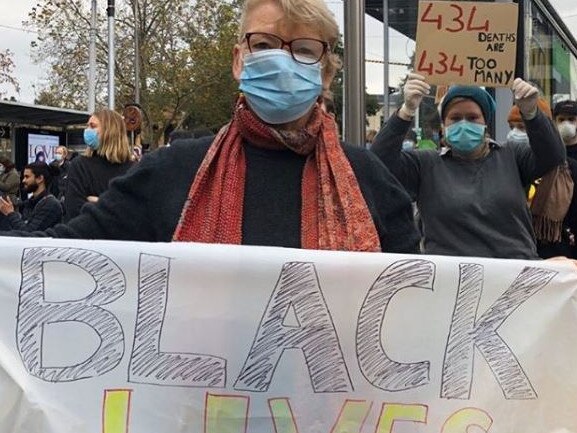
(551,197)
(565,116)
(471,198)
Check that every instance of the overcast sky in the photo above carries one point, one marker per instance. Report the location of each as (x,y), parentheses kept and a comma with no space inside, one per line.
(13,36)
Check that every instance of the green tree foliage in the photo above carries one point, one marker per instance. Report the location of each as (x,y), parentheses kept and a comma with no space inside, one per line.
(7,72)
(371,101)
(185,57)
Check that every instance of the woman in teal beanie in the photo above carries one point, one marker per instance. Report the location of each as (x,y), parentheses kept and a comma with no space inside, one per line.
(471,197)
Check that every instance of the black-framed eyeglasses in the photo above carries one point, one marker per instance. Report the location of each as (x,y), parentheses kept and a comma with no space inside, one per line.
(303,50)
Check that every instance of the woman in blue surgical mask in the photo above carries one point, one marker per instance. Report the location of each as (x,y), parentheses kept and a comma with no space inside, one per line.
(107,155)
(277,173)
(471,196)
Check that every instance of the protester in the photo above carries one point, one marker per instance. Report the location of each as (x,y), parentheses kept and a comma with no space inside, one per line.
(42,210)
(565,115)
(276,174)
(108,155)
(471,197)
(9,180)
(549,197)
(62,163)
(554,206)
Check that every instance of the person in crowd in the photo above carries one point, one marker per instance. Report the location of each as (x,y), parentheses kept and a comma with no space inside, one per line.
(108,155)
(409,140)
(370,136)
(9,180)
(554,206)
(565,115)
(276,175)
(471,197)
(42,210)
(62,163)
(550,198)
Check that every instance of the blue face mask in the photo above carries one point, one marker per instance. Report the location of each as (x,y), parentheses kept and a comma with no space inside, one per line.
(464,136)
(277,88)
(408,144)
(91,138)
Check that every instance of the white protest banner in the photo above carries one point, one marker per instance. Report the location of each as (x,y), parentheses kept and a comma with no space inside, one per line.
(471,43)
(118,337)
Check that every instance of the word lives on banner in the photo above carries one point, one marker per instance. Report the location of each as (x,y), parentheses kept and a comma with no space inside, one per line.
(118,337)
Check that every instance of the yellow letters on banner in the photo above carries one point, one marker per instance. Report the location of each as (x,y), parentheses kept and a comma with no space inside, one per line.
(226,414)
(461,420)
(116,411)
(352,417)
(282,415)
(392,413)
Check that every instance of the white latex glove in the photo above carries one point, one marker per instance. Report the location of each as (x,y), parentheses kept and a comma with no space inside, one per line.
(526,96)
(413,91)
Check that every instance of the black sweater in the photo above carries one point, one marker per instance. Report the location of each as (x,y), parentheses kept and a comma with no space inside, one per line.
(89,176)
(145,205)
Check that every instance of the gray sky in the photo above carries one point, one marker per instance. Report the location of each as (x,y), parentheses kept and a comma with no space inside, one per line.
(29,74)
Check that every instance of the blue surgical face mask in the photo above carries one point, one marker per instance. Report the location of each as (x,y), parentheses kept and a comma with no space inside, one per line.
(277,88)
(57,157)
(408,144)
(464,136)
(91,138)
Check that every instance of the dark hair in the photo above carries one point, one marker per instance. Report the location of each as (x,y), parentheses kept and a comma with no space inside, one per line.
(179,134)
(567,107)
(9,165)
(48,172)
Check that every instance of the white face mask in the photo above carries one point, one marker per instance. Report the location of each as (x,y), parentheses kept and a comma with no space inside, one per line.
(567,129)
(516,135)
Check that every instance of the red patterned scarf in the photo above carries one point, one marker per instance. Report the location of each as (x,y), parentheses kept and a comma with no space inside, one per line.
(334,213)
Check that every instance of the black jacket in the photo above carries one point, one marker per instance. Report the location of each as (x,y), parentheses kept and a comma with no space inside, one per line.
(146,203)
(38,213)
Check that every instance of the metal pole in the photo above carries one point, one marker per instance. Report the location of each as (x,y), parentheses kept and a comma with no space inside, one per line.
(110,13)
(136,53)
(92,60)
(386,59)
(354,119)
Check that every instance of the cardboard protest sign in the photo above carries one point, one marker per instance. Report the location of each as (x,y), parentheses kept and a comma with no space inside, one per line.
(118,337)
(471,43)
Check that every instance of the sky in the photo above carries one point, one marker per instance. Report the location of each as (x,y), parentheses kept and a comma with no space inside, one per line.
(30,75)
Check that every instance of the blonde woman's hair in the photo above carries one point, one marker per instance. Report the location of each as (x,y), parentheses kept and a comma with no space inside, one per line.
(308,12)
(114,146)
(64,150)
